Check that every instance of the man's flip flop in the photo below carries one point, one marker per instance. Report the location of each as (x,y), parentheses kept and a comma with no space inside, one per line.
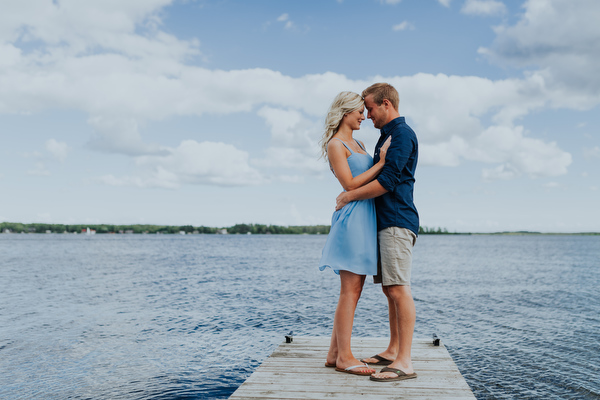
(350,370)
(329,365)
(400,375)
(380,360)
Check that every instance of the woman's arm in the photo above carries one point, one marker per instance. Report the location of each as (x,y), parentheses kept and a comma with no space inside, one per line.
(338,158)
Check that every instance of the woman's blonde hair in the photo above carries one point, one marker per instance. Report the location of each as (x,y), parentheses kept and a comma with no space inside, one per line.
(344,103)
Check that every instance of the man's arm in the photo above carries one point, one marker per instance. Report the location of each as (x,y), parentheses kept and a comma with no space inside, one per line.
(369,191)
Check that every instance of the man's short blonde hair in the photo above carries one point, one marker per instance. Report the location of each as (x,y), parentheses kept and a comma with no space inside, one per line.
(381,91)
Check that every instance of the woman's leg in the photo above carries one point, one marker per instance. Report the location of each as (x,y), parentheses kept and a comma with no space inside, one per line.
(350,291)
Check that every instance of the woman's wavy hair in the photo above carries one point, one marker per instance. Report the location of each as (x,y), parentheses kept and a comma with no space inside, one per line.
(344,103)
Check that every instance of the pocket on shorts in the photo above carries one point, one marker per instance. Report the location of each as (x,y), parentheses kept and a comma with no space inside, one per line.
(404,235)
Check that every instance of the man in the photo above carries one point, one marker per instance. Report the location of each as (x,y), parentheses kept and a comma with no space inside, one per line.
(397,225)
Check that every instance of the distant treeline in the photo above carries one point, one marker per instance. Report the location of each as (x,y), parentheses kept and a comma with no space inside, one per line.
(423,230)
(16,227)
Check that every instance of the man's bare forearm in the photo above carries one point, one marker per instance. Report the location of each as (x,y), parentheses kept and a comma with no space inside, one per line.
(371,190)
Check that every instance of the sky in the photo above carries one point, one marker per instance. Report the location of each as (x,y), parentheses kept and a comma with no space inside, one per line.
(209,112)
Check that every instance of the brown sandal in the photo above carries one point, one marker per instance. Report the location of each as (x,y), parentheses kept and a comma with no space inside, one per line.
(380,360)
(400,375)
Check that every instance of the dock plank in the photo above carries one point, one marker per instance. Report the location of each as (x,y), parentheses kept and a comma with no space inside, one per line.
(296,371)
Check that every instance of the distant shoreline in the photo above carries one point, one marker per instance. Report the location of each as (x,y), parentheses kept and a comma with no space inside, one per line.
(244,229)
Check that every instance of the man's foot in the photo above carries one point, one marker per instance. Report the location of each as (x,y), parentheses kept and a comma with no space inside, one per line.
(377,360)
(392,374)
(395,371)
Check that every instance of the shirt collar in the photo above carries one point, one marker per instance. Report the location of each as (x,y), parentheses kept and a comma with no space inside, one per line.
(387,129)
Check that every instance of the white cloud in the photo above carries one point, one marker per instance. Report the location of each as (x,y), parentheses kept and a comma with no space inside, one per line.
(124,79)
(282,158)
(445,3)
(120,135)
(403,26)
(447,154)
(294,141)
(191,163)
(519,153)
(289,128)
(516,153)
(58,150)
(501,172)
(75,27)
(444,106)
(561,39)
(286,18)
(483,7)
(392,2)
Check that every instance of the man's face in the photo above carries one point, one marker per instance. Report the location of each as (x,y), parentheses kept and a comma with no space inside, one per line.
(376,113)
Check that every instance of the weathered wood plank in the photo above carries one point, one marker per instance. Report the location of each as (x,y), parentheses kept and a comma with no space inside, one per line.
(296,371)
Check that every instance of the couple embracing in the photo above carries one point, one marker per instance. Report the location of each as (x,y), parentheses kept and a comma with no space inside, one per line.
(374,227)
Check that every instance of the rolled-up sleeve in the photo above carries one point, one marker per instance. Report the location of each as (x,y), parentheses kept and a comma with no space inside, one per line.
(396,158)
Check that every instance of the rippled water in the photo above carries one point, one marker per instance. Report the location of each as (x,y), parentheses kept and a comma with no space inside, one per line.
(175,317)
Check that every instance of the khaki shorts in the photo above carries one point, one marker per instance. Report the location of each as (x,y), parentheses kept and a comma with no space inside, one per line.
(395,256)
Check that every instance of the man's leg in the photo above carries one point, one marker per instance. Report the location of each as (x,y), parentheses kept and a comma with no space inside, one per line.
(396,257)
(402,298)
(392,350)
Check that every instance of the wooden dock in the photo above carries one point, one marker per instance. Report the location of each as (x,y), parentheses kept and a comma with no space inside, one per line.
(296,371)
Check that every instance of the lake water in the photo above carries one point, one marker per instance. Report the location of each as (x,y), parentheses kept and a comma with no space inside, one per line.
(191,317)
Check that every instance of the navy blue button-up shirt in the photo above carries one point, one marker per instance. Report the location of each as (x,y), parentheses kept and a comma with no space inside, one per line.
(396,207)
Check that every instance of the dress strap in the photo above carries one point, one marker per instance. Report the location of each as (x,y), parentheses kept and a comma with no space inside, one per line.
(345,145)
(361,146)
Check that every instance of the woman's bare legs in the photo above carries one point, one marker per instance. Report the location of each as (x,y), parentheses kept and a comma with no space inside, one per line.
(340,352)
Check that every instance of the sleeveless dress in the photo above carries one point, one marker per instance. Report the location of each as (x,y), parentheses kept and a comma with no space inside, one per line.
(352,241)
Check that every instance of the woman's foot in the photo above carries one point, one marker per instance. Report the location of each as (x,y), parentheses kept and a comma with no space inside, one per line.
(331,359)
(342,365)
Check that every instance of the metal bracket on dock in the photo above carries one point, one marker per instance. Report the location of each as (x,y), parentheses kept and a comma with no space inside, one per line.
(436,340)
(289,338)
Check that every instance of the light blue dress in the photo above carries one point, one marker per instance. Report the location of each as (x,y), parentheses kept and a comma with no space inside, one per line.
(352,241)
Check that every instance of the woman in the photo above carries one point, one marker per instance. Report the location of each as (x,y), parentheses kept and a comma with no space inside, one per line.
(351,247)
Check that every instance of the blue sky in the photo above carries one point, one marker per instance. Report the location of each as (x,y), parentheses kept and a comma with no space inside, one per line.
(209,112)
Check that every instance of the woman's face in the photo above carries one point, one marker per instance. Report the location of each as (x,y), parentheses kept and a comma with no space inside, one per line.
(354,118)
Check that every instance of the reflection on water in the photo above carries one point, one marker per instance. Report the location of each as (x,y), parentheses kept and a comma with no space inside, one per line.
(164,317)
